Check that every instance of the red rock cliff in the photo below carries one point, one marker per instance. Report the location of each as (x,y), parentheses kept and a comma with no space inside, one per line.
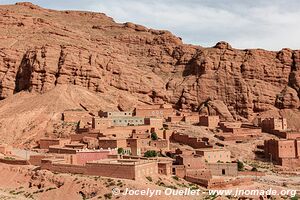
(41,48)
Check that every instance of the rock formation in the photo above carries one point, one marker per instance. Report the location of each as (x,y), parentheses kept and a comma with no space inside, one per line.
(42,48)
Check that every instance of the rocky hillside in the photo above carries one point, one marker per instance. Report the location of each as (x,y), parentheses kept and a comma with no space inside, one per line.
(41,49)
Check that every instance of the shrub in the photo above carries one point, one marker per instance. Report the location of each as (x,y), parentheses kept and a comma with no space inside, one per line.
(154,136)
(175,178)
(149,178)
(120,150)
(108,195)
(254,169)
(240,165)
(150,153)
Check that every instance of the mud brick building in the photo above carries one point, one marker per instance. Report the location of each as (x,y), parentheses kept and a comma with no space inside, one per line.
(196,143)
(156,110)
(123,168)
(209,121)
(5,149)
(236,131)
(101,123)
(113,114)
(192,119)
(270,124)
(112,143)
(75,115)
(214,155)
(156,123)
(190,161)
(175,119)
(45,143)
(223,169)
(283,152)
(278,127)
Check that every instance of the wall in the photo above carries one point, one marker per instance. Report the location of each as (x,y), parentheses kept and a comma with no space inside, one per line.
(84,157)
(61,150)
(223,169)
(115,114)
(194,142)
(64,168)
(191,161)
(73,116)
(209,121)
(154,112)
(154,122)
(175,119)
(101,123)
(80,136)
(215,156)
(161,144)
(45,143)
(192,119)
(112,143)
(14,162)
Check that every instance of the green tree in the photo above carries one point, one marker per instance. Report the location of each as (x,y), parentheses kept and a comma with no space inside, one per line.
(120,150)
(154,136)
(150,153)
(240,165)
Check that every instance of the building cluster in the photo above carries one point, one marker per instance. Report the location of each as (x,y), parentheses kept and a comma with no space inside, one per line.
(285,150)
(136,144)
(121,145)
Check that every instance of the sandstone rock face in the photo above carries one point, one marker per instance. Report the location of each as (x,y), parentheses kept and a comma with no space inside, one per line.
(42,48)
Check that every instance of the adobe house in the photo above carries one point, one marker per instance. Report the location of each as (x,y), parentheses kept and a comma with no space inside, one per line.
(175,119)
(196,143)
(160,144)
(283,152)
(214,155)
(84,156)
(112,143)
(137,146)
(156,110)
(133,169)
(5,149)
(157,123)
(236,131)
(209,121)
(191,161)
(270,124)
(101,123)
(223,169)
(165,167)
(74,115)
(45,143)
(127,121)
(142,134)
(112,114)
(193,118)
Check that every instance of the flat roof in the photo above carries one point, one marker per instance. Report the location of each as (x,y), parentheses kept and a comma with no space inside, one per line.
(123,161)
(211,149)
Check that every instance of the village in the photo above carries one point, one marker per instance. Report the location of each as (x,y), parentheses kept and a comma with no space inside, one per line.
(146,142)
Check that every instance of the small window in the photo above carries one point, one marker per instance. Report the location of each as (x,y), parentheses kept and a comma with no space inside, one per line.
(223,171)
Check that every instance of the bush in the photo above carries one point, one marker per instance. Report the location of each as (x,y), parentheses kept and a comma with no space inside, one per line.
(175,178)
(150,153)
(120,150)
(254,169)
(154,136)
(240,165)
(149,178)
